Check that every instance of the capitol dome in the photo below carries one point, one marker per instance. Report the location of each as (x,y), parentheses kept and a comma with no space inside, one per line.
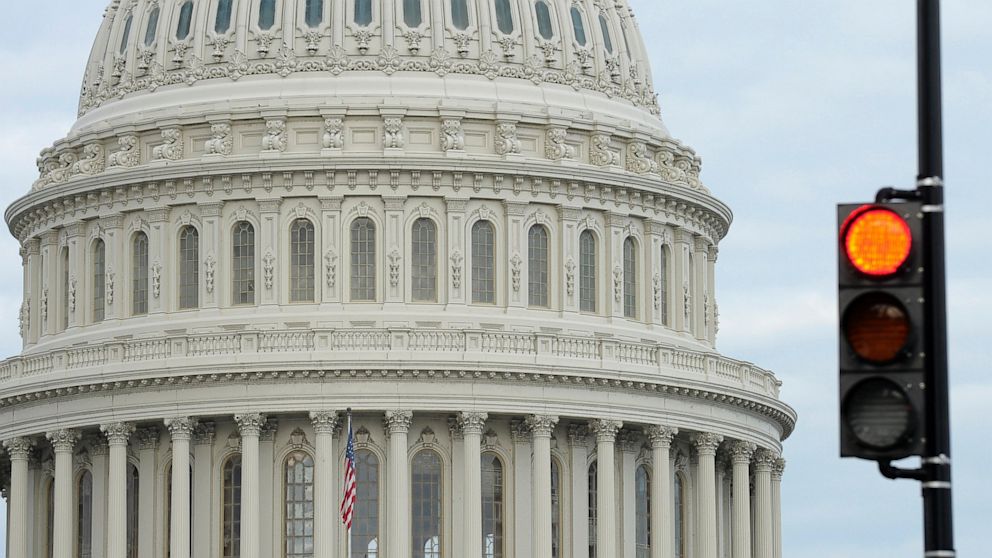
(454,232)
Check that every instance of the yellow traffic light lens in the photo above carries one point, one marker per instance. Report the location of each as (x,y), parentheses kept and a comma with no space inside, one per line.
(877,327)
(877,241)
(879,414)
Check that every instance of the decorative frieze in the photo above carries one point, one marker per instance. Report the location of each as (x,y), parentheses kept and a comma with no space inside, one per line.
(171,148)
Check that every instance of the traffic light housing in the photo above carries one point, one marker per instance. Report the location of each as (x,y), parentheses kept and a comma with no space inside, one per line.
(881,308)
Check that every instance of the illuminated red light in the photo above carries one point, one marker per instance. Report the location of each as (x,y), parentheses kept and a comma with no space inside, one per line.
(877,241)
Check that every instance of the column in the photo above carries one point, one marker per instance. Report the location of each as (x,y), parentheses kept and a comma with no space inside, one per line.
(457,254)
(613,247)
(698,289)
(777,470)
(147,440)
(76,244)
(181,429)
(606,498)
(203,440)
(706,445)
(522,494)
(398,425)
(324,516)
(472,424)
(62,442)
(516,254)
(628,443)
(330,260)
(577,436)
(540,428)
(654,232)
(569,246)
(712,315)
(250,426)
(18,449)
(457,483)
(269,535)
(740,455)
(680,280)
(116,265)
(162,275)
(98,451)
(764,460)
(33,287)
(662,522)
(47,297)
(393,248)
(117,434)
(269,246)
(211,254)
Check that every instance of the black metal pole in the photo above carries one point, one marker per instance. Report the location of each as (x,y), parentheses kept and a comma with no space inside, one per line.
(937,512)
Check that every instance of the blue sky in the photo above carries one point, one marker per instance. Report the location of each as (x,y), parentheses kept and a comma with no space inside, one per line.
(794,106)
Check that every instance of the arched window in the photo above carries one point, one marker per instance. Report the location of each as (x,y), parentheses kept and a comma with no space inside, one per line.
(663,284)
(605,26)
(537,266)
(578,26)
(185,20)
(231,490)
(504,16)
(593,478)
(423,251)
(314,12)
(365,521)
(299,505)
(642,512)
(65,287)
(243,264)
(412,13)
(587,272)
(492,506)
(99,280)
(222,21)
(362,259)
(459,14)
(139,274)
(189,268)
(426,505)
(629,278)
(543,13)
(84,516)
(680,515)
(363,12)
(556,507)
(133,505)
(151,30)
(266,14)
(483,263)
(301,264)
(127,33)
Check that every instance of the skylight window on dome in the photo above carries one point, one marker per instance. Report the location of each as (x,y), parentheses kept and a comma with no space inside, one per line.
(578,26)
(152,29)
(363,12)
(606,33)
(459,14)
(504,16)
(222,23)
(185,20)
(266,14)
(314,12)
(543,13)
(126,34)
(412,13)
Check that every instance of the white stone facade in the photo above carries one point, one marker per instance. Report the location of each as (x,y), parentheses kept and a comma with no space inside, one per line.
(473,232)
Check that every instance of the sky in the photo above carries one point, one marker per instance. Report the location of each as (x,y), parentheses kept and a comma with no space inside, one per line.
(794,107)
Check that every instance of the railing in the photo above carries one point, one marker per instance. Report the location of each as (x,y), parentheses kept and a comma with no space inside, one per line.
(602,355)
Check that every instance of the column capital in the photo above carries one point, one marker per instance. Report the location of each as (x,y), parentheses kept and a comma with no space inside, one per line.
(472,422)
(250,424)
(578,434)
(706,443)
(63,440)
(148,437)
(180,428)
(399,422)
(541,425)
(19,448)
(764,460)
(519,430)
(203,433)
(661,436)
(269,428)
(741,452)
(606,430)
(117,433)
(778,469)
(324,422)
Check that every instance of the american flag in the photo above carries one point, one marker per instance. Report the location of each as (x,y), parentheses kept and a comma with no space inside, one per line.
(348,500)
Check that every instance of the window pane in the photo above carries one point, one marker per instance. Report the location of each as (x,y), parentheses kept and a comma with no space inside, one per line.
(424,260)
(544,20)
(266,14)
(185,19)
(412,15)
(139,274)
(301,265)
(363,12)
(362,259)
(84,516)
(152,29)
(99,280)
(459,14)
(537,266)
(483,263)
(299,505)
(189,268)
(314,12)
(593,511)
(606,33)
(504,16)
(426,505)
(243,264)
(642,512)
(492,506)
(127,33)
(365,519)
(578,26)
(223,20)
(231,487)
(629,278)
(587,272)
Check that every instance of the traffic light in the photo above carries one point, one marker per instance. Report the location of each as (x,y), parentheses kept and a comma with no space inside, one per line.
(882,373)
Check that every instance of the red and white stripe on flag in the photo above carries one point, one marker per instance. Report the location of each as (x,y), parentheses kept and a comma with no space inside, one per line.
(350,491)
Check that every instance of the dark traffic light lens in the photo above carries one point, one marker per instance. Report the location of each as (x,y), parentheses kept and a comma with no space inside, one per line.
(879,414)
(877,327)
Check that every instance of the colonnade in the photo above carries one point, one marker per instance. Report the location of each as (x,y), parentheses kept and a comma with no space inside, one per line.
(747,461)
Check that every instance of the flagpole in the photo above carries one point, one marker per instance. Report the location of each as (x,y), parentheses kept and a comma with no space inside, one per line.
(348,529)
